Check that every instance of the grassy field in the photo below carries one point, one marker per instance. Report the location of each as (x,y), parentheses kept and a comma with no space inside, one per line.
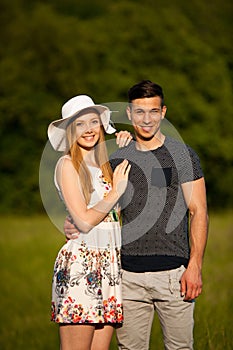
(28,246)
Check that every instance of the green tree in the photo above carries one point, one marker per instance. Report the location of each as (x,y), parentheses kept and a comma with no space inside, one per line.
(53,50)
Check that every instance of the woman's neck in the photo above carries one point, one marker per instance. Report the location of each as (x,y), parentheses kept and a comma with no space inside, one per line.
(89,157)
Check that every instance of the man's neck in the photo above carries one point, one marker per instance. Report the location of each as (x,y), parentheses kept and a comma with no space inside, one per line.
(150,144)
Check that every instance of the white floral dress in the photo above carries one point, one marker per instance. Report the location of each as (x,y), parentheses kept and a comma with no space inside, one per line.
(86,284)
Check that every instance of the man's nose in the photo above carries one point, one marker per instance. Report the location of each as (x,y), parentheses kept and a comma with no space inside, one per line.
(147,117)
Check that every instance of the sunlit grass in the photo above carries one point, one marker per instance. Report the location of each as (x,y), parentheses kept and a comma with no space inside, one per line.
(28,246)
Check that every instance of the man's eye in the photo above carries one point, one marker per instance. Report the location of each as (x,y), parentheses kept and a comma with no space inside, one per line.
(155,112)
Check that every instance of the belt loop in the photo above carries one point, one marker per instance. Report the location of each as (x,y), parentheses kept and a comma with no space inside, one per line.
(170,283)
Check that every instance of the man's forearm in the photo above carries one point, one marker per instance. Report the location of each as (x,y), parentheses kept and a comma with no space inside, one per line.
(198,236)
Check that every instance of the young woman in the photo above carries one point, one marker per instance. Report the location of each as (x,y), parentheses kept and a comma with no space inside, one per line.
(86,293)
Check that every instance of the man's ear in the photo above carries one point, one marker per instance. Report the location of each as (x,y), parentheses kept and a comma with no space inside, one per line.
(128,111)
(164,110)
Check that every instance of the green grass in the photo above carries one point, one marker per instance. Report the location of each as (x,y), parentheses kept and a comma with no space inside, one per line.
(28,246)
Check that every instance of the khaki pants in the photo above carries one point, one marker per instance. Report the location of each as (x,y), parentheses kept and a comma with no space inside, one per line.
(143,293)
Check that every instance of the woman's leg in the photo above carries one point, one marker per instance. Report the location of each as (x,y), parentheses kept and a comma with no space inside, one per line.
(102,337)
(76,337)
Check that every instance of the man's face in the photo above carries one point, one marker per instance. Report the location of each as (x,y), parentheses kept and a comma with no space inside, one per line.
(146,115)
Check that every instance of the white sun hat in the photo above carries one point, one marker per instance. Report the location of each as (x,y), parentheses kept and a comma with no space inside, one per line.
(71,109)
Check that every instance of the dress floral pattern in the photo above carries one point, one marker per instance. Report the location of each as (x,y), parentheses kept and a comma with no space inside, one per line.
(86,285)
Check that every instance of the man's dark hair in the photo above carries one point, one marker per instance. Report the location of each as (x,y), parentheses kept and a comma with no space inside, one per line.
(145,88)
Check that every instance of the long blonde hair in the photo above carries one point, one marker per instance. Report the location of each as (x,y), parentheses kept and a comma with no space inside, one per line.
(101,157)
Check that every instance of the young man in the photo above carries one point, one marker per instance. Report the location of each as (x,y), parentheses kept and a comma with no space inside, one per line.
(163,210)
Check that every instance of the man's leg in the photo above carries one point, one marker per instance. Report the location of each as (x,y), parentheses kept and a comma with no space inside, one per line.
(138,311)
(176,315)
(176,320)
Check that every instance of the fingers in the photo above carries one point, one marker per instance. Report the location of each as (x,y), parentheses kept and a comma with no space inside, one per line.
(127,170)
(182,287)
(70,236)
(123,168)
(193,291)
(120,177)
(123,138)
(191,294)
(189,290)
(70,229)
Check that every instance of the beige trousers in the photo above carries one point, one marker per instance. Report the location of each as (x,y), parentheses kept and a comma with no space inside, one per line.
(143,293)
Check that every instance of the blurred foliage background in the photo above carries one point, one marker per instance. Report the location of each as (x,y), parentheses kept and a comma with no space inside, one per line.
(53,50)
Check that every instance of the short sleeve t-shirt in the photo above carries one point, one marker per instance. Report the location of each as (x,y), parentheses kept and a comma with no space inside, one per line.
(154,213)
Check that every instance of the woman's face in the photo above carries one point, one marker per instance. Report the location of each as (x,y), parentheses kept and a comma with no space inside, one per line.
(88,130)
